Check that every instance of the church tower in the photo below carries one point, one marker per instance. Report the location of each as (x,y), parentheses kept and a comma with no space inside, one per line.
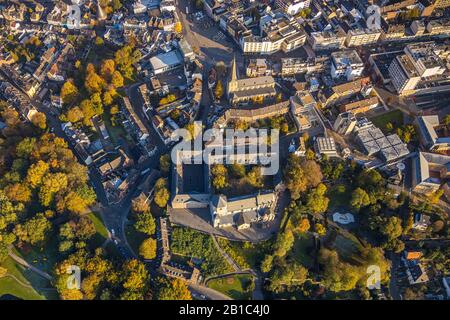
(233,83)
(101,15)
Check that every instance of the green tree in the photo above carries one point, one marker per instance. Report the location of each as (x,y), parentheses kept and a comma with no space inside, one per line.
(117,80)
(147,249)
(237,170)
(316,200)
(267,263)
(287,276)
(75,114)
(218,91)
(175,289)
(337,275)
(135,276)
(284,243)
(219,176)
(162,193)
(94,83)
(392,228)
(145,223)
(34,231)
(25,147)
(164,164)
(360,199)
(107,69)
(39,120)
(69,92)
(255,178)
(36,173)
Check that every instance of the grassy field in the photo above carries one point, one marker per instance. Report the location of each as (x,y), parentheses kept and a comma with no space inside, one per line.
(246,254)
(233,286)
(25,284)
(395,117)
(102,233)
(348,247)
(31,285)
(302,245)
(134,237)
(339,196)
(42,258)
(11,286)
(117,132)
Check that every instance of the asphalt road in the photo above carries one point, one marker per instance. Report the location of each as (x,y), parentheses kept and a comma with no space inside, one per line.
(208,292)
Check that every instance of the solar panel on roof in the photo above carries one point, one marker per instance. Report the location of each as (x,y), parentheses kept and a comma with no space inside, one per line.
(394,139)
(401,149)
(364,136)
(389,154)
(376,133)
(383,142)
(371,147)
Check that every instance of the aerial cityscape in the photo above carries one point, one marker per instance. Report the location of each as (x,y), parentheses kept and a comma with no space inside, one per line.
(224,150)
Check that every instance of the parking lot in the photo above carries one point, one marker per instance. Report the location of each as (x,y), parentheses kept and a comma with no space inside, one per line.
(204,34)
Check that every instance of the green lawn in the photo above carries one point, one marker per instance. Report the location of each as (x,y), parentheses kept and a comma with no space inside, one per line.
(116,132)
(348,247)
(12,287)
(395,117)
(303,244)
(233,286)
(246,254)
(134,237)
(102,233)
(42,258)
(27,278)
(339,196)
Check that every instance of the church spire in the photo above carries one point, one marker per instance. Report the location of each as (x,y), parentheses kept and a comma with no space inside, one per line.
(232,84)
(234,70)
(101,15)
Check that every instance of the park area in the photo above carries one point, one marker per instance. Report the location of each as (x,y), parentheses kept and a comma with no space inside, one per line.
(246,254)
(303,250)
(339,195)
(191,244)
(238,287)
(394,117)
(24,283)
